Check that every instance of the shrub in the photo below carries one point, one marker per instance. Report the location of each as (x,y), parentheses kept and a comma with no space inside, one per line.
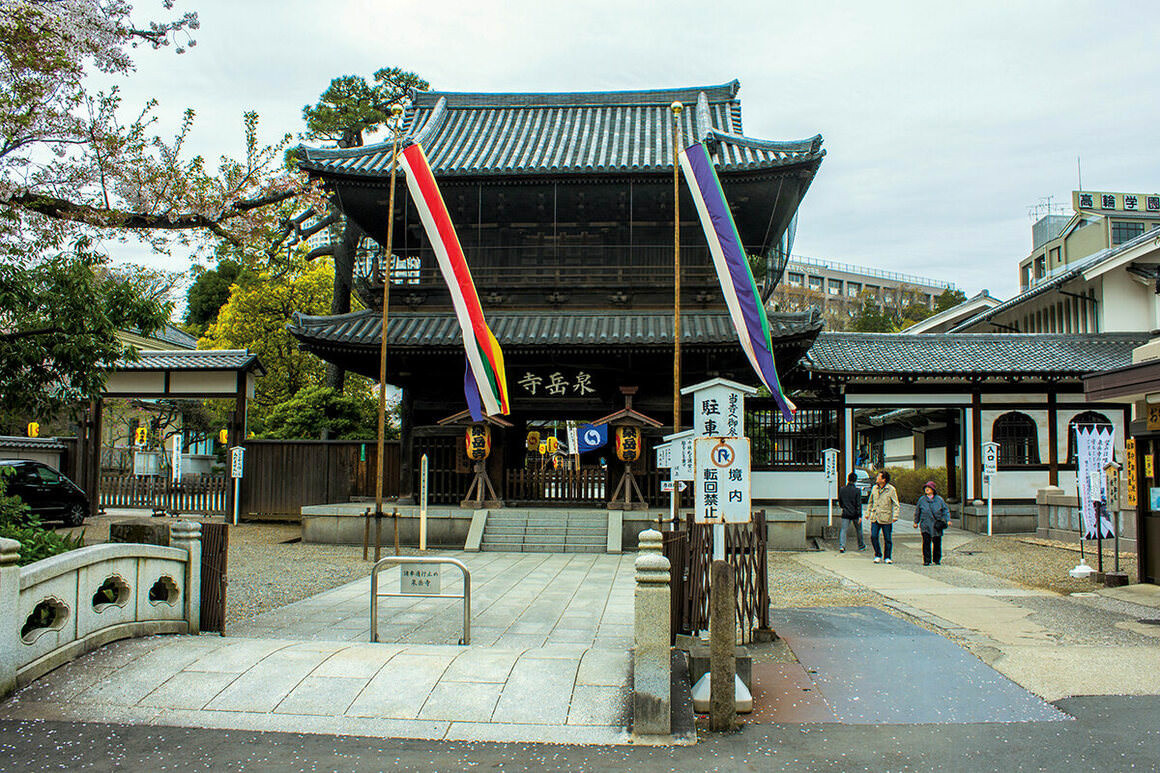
(36,542)
(909,482)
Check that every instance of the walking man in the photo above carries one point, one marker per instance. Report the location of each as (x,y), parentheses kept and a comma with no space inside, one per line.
(883,511)
(850,500)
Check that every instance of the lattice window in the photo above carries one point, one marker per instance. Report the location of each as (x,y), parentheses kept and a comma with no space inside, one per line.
(1086,419)
(1018,438)
(777,444)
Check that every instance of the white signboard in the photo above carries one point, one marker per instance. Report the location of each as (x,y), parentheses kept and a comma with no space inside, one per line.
(573,443)
(420,578)
(722,480)
(664,456)
(719,410)
(681,456)
(178,440)
(237,461)
(990,459)
(667,486)
(830,460)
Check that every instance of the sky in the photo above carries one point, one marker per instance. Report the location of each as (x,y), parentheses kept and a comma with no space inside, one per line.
(944,123)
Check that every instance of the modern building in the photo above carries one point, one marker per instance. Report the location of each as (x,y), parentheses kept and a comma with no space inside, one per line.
(1099,220)
(838,289)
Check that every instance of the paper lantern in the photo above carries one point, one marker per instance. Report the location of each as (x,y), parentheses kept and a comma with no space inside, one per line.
(627,444)
(478,438)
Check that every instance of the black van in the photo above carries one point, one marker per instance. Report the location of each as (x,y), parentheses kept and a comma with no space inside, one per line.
(46,492)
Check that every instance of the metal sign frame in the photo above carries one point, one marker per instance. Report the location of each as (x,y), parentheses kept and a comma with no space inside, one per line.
(397,560)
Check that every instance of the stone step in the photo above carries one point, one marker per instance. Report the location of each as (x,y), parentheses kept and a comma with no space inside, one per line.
(502,529)
(585,548)
(603,541)
(587,529)
(506,520)
(502,539)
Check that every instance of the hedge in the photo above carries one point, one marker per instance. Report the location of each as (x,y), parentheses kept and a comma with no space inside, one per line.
(910,482)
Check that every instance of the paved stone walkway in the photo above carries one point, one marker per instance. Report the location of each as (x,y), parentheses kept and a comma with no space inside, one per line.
(1055,646)
(549,661)
(518,600)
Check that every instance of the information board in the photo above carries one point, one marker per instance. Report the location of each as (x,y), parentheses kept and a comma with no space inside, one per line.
(722,480)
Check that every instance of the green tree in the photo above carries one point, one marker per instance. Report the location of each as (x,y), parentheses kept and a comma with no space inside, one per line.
(59,319)
(255,318)
(948,299)
(209,292)
(872,318)
(324,412)
(348,109)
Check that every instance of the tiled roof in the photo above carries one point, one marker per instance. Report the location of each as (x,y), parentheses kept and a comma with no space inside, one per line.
(473,134)
(942,354)
(197,359)
(30,443)
(559,328)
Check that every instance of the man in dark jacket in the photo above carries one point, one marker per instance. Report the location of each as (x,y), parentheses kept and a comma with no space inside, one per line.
(850,500)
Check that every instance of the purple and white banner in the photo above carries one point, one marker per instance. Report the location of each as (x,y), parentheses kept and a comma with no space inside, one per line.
(1094,448)
(740,291)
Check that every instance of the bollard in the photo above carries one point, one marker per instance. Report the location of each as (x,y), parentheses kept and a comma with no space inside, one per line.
(187,536)
(9,621)
(722,640)
(652,659)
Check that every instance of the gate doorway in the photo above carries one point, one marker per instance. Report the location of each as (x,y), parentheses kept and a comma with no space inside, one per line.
(1148,502)
(215,547)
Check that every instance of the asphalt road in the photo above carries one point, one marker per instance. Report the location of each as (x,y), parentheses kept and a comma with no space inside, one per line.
(1109,734)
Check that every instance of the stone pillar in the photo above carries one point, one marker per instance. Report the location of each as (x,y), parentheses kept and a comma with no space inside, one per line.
(722,641)
(186,535)
(9,621)
(652,659)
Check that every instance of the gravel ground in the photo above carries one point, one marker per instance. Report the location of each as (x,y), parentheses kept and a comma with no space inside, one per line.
(793,584)
(1032,566)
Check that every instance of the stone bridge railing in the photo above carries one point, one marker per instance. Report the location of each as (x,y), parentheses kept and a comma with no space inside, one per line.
(55,610)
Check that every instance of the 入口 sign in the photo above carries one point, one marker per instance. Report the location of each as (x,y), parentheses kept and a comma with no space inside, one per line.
(722,480)
(990,459)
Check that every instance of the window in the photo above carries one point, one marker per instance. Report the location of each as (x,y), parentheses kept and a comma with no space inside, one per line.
(778,444)
(835,287)
(1125,231)
(1018,438)
(816,283)
(1055,255)
(795,279)
(1086,419)
(1040,267)
(1024,276)
(853,289)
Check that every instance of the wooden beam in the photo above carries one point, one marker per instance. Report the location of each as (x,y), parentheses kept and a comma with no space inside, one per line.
(975,456)
(1052,439)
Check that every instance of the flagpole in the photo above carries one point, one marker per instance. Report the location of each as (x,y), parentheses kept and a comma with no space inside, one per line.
(395,111)
(676,107)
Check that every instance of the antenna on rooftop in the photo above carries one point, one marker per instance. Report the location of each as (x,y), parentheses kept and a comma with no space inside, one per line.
(1046,206)
(1079,172)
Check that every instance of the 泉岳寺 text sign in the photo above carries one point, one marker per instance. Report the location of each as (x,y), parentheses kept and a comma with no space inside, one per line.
(722,480)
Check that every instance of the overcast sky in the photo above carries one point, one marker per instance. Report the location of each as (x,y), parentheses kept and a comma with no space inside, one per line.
(943,123)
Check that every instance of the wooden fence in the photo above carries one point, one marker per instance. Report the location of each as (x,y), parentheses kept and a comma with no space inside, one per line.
(283,476)
(202,495)
(690,552)
(587,485)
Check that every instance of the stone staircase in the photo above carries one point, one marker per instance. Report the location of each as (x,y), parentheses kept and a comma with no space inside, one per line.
(546,531)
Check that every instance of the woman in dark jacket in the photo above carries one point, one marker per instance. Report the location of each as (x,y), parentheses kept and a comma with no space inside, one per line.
(931,515)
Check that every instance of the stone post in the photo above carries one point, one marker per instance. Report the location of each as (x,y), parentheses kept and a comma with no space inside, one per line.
(10,621)
(652,660)
(186,535)
(722,641)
